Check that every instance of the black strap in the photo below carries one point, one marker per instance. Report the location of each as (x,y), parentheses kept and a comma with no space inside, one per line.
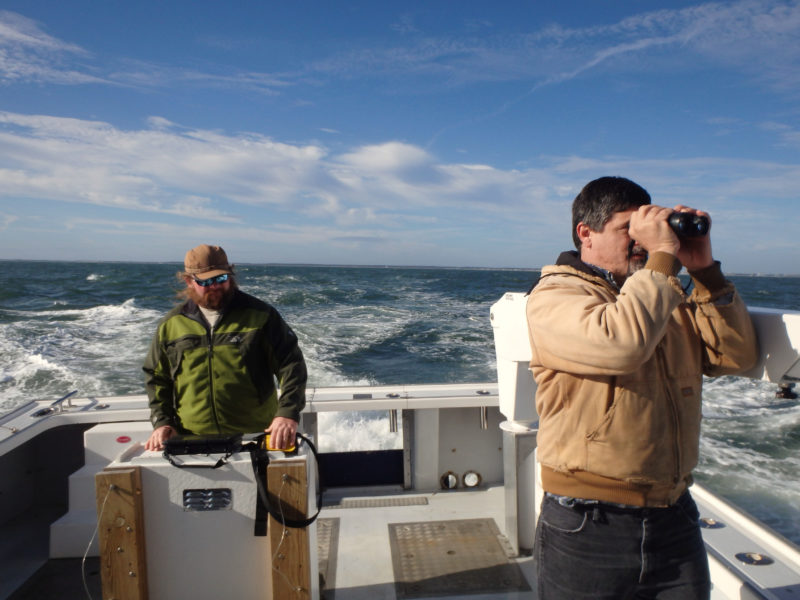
(259,456)
(220,461)
(225,444)
(260,459)
(533,285)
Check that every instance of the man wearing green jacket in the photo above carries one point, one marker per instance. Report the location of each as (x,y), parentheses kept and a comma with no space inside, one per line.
(214,360)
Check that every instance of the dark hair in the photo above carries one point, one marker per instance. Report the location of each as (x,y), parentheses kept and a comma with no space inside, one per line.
(600,199)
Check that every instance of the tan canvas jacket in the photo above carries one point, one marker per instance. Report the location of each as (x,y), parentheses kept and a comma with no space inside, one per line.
(619,375)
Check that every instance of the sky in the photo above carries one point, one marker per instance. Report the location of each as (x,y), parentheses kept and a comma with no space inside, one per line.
(446,133)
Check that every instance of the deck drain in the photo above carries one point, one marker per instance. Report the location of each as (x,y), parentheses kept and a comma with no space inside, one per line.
(709,523)
(754,558)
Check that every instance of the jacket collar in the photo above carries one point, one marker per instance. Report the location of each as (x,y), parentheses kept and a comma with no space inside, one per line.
(192,310)
(572,259)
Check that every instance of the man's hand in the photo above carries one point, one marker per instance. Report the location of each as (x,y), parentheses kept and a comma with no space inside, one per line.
(282,433)
(695,252)
(650,229)
(158,437)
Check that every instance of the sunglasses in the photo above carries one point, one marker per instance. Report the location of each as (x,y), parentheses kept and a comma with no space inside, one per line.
(211,280)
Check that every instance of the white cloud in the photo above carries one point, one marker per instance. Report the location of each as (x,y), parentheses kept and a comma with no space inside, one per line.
(171,169)
(163,169)
(755,37)
(6,220)
(257,190)
(390,156)
(205,176)
(405,25)
(788,135)
(28,54)
(19,31)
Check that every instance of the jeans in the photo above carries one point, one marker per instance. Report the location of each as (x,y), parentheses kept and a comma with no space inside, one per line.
(604,552)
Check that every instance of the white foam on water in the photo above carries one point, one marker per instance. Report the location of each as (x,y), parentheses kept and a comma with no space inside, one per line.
(748,450)
(350,329)
(98,350)
(351,431)
(324,336)
(27,365)
(323,375)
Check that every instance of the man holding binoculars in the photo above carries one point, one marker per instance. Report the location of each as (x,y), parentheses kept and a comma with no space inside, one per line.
(618,354)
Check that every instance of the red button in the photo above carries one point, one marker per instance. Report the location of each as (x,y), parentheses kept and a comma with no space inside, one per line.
(124,439)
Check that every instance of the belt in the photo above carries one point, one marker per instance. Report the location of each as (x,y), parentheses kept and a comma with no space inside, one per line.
(586,505)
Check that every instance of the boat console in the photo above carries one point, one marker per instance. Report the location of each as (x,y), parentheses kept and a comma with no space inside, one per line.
(194,525)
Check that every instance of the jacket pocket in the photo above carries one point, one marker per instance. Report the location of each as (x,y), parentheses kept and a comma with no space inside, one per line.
(175,350)
(635,440)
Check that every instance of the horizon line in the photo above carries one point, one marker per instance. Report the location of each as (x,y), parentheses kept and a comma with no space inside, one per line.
(346,265)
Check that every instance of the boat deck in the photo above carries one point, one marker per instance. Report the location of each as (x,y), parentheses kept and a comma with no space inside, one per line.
(419,545)
(379,542)
(376,544)
(386,543)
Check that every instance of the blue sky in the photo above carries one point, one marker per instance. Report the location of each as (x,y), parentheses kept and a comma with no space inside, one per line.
(427,133)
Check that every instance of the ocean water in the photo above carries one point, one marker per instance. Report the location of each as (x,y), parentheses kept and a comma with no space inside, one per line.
(86,327)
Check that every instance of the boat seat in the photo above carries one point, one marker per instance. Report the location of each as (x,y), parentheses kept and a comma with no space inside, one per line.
(70,535)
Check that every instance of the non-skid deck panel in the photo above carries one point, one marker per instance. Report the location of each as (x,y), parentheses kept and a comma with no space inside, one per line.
(379,502)
(327,551)
(440,558)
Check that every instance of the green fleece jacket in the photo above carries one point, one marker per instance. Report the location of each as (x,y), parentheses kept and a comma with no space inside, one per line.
(222,380)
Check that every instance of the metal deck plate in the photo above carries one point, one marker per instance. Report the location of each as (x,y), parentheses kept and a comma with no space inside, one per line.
(451,557)
(327,546)
(379,502)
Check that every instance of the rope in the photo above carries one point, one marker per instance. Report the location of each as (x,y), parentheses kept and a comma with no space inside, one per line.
(91,540)
(284,533)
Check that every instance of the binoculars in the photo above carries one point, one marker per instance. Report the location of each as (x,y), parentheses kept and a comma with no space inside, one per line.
(688,224)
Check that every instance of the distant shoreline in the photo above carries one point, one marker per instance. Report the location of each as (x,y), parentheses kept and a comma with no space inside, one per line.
(339,266)
(267,264)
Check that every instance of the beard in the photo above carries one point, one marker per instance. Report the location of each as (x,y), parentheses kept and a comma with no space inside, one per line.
(215,298)
(637,258)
